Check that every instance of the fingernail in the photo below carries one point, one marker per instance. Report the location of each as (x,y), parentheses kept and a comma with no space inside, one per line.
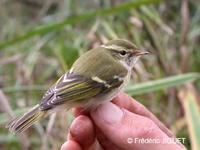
(109,112)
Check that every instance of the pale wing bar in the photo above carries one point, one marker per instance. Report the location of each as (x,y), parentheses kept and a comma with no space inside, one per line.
(72,87)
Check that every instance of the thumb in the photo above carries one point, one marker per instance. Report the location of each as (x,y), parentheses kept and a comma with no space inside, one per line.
(124,128)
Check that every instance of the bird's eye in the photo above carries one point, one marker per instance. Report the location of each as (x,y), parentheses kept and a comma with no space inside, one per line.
(123,53)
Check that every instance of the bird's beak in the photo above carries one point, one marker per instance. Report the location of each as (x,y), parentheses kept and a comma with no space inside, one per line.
(140,52)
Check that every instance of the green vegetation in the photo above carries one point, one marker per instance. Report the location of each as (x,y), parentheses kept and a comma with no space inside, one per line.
(40,40)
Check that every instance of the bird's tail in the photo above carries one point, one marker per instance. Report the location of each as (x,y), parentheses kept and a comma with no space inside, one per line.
(20,124)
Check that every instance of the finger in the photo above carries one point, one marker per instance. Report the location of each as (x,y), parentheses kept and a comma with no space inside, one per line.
(101,141)
(82,131)
(104,141)
(127,102)
(79,111)
(118,125)
(86,136)
(69,145)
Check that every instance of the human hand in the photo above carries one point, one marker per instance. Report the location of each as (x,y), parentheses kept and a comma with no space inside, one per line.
(119,124)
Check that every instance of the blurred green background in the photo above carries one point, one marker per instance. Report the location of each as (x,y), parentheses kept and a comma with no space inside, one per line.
(40,40)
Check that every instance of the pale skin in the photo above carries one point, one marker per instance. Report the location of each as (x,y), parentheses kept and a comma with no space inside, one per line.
(111,124)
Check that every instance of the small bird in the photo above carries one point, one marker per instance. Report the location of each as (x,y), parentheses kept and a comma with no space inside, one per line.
(96,77)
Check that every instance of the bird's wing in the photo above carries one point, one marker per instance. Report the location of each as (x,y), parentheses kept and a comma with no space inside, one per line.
(73,87)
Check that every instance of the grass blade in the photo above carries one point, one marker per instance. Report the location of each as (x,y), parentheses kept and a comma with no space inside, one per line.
(192,116)
(161,83)
(75,19)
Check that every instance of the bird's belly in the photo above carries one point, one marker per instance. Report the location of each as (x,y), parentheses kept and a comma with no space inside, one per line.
(95,101)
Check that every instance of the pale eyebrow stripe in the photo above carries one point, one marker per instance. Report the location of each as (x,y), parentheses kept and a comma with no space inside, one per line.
(113,47)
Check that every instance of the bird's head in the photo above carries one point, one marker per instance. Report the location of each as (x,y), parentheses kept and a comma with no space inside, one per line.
(124,51)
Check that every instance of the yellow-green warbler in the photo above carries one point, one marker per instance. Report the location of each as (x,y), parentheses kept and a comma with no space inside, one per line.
(96,77)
